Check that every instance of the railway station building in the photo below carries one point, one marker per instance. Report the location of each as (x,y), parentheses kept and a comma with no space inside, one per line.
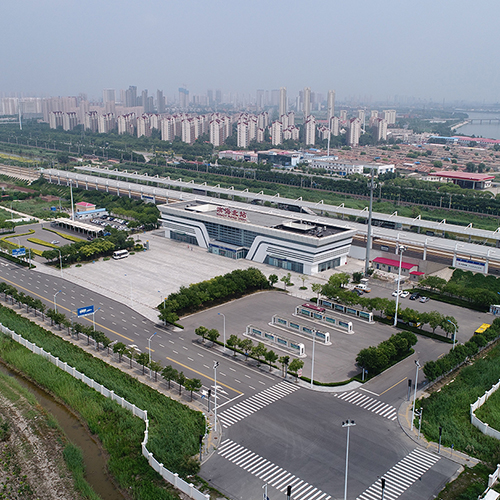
(292,241)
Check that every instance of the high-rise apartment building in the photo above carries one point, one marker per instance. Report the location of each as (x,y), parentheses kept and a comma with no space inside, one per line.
(108,95)
(330,104)
(276,133)
(183,98)
(361,115)
(390,116)
(353,132)
(106,123)
(310,130)
(160,102)
(9,106)
(343,115)
(283,104)
(168,129)
(56,119)
(131,97)
(126,123)
(70,120)
(380,129)
(91,121)
(259,101)
(335,126)
(306,102)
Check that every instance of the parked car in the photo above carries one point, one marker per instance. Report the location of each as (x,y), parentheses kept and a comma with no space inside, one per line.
(395,293)
(414,296)
(363,288)
(404,294)
(424,299)
(55,242)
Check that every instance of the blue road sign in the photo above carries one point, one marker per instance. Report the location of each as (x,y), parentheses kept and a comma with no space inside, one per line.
(85,311)
(18,252)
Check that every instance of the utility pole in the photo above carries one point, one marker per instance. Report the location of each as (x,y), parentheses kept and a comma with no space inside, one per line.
(369,230)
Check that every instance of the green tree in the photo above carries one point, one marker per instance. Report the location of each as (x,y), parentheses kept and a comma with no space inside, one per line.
(155,367)
(295,366)
(245,345)
(271,358)
(143,359)
(435,319)
(273,279)
(192,384)
(286,279)
(259,351)
(317,288)
(202,332)
(213,335)
(169,373)
(119,348)
(232,343)
(447,324)
(181,380)
(284,360)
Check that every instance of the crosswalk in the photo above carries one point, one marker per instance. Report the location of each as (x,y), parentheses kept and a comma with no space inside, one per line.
(401,476)
(268,472)
(368,403)
(255,403)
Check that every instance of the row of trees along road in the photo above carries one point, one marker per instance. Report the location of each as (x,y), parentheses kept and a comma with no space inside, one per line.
(335,289)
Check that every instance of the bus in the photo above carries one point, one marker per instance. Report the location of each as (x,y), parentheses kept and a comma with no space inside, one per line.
(120,254)
(482,329)
(314,308)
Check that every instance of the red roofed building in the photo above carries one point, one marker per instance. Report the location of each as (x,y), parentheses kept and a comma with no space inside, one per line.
(466,179)
(392,266)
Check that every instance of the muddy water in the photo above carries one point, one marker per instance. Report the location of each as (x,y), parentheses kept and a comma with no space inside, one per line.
(95,463)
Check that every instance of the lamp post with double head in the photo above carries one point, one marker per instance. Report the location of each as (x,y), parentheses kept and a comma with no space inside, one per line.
(454,334)
(417,364)
(55,303)
(149,349)
(348,424)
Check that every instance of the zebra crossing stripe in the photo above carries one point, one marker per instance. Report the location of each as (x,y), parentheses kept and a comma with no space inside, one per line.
(255,403)
(400,477)
(266,471)
(367,403)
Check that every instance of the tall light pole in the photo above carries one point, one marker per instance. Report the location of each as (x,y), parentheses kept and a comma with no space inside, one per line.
(312,364)
(149,349)
(216,364)
(224,329)
(454,334)
(348,424)
(414,395)
(60,262)
(93,317)
(401,249)
(369,229)
(55,303)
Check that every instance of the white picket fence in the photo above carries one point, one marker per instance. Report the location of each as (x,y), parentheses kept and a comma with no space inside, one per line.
(172,478)
(484,428)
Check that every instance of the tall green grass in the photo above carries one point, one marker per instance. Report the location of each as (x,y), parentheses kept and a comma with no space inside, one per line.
(450,409)
(174,428)
(74,460)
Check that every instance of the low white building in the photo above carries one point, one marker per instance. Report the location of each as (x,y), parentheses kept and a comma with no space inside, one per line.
(345,169)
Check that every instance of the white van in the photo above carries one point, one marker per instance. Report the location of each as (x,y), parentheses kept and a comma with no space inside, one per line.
(363,287)
(120,254)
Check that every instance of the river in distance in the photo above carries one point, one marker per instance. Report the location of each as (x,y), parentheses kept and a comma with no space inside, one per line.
(485,129)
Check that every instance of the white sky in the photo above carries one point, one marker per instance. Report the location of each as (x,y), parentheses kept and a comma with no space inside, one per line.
(439,49)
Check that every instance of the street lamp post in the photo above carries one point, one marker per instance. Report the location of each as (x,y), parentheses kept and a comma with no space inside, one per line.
(224,329)
(60,262)
(216,364)
(93,317)
(454,334)
(401,249)
(312,361)
(149,349)
(348,424)
(417,364)
(55,303)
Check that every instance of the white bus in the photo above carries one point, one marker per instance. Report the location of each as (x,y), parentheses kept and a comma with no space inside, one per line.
(120,254)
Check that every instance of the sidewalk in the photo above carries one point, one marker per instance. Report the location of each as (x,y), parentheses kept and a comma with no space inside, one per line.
(404,419)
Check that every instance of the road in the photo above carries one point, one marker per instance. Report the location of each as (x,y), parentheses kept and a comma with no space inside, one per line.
(273,430)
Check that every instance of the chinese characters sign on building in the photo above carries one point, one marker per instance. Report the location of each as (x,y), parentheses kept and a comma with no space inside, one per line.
(232,214)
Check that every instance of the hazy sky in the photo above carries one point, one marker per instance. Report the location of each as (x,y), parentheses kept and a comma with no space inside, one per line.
(428,49)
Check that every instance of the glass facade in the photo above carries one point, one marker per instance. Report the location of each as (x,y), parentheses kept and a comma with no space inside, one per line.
(329,264)
(184,238)
(239,253)
(285,264)
(233,235)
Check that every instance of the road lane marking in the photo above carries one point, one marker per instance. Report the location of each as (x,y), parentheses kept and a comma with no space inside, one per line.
(202,374)
(392,386)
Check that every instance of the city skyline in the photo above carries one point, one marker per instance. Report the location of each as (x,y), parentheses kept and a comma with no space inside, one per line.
(364,51)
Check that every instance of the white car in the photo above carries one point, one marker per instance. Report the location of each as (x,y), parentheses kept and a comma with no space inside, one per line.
(395,293)
(404,294)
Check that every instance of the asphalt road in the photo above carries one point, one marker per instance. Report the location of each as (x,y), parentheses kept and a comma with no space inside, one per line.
(273,430)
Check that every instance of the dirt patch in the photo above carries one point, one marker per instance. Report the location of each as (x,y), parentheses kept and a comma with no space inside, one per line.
(31,460)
